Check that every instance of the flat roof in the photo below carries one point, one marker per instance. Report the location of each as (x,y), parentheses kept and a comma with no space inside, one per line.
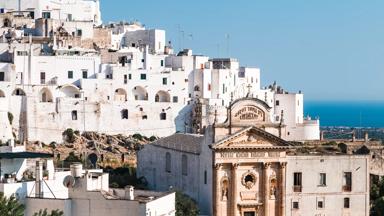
(14,155)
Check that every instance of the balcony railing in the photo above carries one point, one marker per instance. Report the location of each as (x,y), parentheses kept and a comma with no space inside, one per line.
(347,188)
(297,188)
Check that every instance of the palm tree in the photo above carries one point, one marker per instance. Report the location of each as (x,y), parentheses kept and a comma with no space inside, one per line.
(10,206)
(45,213)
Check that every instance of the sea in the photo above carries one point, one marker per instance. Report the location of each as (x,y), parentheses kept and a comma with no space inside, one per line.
(347,113)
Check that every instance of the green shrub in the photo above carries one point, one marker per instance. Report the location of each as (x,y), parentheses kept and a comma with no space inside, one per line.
(152,138)
(69,135)
(137,136)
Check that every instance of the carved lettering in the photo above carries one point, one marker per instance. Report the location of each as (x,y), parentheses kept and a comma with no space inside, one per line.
(250,113)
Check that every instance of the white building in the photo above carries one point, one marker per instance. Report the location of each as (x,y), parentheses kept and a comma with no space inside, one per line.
(89,195)
(65,10)
(133,85)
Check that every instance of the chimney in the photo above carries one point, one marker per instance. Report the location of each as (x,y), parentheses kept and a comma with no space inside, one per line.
(39,179)
(129,192)
(321,135)
(366,137)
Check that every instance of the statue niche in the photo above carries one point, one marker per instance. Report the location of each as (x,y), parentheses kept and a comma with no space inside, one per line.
(272,188)
(224,189)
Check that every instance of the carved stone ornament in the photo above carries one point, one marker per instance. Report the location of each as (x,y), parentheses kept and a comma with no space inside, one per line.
(248,179)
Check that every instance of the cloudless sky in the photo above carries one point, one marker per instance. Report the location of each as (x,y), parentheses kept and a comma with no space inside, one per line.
(329,49)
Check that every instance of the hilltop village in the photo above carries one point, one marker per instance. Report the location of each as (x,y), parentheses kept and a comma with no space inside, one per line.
(203,126)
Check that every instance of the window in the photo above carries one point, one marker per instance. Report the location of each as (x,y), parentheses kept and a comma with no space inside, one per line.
(129,76)
(70,74)
(277,103)
(46,15)
(184,165)
(175,99)
(22,53)
(125,79)
(205,177)
(74,115)
(2,76)
(79,32)
(323,179)
(164,81)
(346,202)
(163,116)
(320,204)
(162,63)
(295,205)
(209,87)
(297,181)
(133,45)
(196,88)
(42,77)
(69,17)
(347,181)
(223,88)
(143,76)
(144,117)
(142,60)
(85,74)
(168,162)
(124,114)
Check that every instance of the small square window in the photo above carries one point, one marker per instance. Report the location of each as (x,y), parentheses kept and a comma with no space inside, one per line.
(320,204)
(143,76)
(277,103)
(70,74)
(85,74)
(142,60)
(129,76)
(295,205)
(2,76)
(74,115)
(175,99)
(164,81)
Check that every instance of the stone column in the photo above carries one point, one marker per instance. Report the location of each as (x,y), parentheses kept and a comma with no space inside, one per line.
(282,187)
(234,189)
(266,167)
(216,191)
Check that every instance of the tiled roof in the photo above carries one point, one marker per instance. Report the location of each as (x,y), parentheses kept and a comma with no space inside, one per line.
(181,142)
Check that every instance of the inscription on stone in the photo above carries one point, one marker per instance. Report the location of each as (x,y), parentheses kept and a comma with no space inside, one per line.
(249,113)
(248,154)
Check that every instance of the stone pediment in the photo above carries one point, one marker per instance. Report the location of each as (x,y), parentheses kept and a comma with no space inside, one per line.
(251,137)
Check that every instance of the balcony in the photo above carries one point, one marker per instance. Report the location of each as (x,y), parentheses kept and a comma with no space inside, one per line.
(297,188)
(347,188)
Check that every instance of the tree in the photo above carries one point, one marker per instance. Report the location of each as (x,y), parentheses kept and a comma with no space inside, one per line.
(378,207)
(10,206)
(53,213)
(185,206)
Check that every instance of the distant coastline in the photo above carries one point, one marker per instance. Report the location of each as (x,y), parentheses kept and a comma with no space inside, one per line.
(347,113)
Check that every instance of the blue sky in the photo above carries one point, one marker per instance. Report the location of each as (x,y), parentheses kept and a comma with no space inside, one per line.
(331,50)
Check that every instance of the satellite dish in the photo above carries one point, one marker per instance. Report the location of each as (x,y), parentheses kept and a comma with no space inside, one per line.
(93,159)
(69,181)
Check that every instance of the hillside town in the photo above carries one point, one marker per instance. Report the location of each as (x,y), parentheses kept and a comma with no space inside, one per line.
(78,95)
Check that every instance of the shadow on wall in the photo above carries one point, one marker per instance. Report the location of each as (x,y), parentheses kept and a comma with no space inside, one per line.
(183,119)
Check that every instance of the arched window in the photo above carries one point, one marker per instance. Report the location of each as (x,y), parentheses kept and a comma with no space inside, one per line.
(196,88)
(162,96)
(184,165)
(168,162)
(120,95)
(140,93)
(124,114)
(18,92)
(45,96)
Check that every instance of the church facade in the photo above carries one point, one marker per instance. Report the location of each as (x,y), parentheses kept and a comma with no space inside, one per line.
(252,170)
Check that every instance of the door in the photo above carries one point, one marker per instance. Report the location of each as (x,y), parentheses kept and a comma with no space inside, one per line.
(249,213)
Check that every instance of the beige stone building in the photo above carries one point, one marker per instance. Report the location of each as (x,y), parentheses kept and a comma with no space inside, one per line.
(251,170)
